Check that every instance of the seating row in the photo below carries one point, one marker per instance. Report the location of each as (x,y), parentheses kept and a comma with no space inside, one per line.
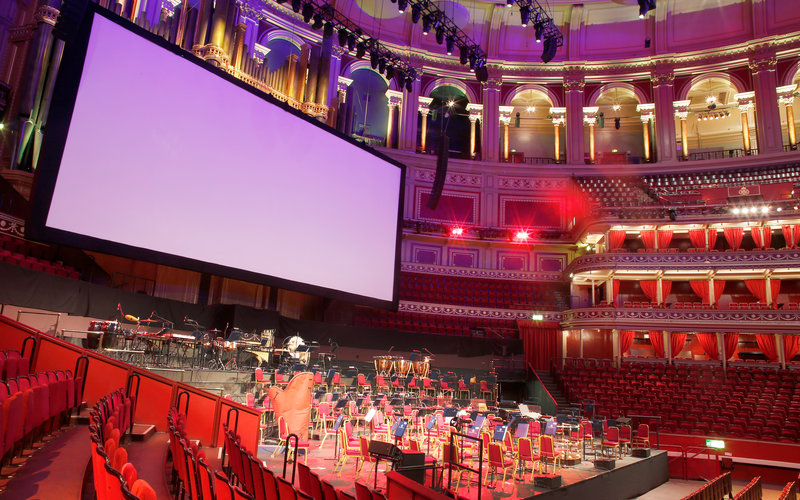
(718,488)
(432,323)
(13,364)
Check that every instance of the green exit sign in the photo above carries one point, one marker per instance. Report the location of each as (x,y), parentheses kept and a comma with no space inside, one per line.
(715,443)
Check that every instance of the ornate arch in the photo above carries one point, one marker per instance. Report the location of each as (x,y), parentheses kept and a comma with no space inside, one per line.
(791,74)
(441,82)
(637,92)
(280,34)
(551,96)
(364,64)
(737,83)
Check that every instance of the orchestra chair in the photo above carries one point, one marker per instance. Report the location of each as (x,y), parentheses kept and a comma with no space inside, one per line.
(525,454)
(463,388)
(345,453)
(354,413)
(325,422)
(625,438)
(587,433)
(318,382)
(611,440)
(336,383)
(534,429)
(428,387)
(381,384)
(486,390)
(411,385)
(364,458)
(575,440)
(363,384)
(498,460)
(450,455)
(446,389)
(283,433)
(260,379)
(642,437)
(547,450)
(280,381)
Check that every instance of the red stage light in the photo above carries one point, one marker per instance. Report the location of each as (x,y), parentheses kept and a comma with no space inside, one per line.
(457,231)
(522,235)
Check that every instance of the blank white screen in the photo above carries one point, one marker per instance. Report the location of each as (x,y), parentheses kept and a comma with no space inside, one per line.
(163,154)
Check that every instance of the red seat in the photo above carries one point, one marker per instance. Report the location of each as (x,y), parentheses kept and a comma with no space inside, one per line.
(222,488)
(285,489)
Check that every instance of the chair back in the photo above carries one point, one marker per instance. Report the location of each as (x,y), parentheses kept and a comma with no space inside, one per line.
(222,488)
(285,489)
(257,478)
(283,431)
(546,446)
(612,435)
(328,491)
(534,428)
(362,492)
(525,449)
(363,443)
(587,428)
(270,484)
(304,477)
(643,431)
(625,432)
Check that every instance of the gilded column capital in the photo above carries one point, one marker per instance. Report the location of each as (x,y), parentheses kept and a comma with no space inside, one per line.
(574,79)
(46,14)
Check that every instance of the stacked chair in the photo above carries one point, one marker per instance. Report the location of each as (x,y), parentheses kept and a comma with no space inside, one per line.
(114,477)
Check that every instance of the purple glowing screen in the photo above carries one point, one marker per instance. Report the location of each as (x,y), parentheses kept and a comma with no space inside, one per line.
(163,154)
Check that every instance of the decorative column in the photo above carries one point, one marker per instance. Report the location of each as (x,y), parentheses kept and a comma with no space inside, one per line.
(767,112)
(409,116)
(745,100)
(475,113)
(768,297)
(682,112)
(615,347)
(345,114)
(559,118)
(662,79)
(424,108)
(333,73)
(573,89)
(721,349)
(490,142)
(786,97)
(215,50)
(590,118)
(781,353)
(646,113)
(711,294)
(238,45)
(505,120)
(394,101)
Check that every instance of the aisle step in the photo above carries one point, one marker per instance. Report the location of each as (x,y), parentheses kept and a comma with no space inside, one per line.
(142,432)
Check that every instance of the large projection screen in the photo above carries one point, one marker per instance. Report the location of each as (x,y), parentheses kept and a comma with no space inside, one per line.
(154,155)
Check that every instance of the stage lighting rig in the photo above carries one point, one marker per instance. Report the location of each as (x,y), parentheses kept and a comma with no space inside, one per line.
(545,28)
(645,6)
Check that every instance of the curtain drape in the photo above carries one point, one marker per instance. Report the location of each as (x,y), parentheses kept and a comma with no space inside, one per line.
(698,238)
(666,287)
(788,235)
(664,239)
(758,288)
(734,235)
(540,342)
(650,289)
(625,341)
(649,239)
(700,288)
(797,235)
(762,236)
(791,346)
(708,341)
(731,340)
(712,238)
(676,343)
(766,342)
(615,239)
(657,341)
(615,290)
(719,287)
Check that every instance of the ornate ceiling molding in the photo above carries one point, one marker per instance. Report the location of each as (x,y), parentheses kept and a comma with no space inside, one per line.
(474,312)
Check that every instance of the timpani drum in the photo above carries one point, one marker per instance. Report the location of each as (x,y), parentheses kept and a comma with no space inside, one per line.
(422,368)
(403,366)
(109,329)
(383,365)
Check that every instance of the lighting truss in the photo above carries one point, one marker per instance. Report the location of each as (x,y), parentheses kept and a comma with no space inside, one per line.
(546,30)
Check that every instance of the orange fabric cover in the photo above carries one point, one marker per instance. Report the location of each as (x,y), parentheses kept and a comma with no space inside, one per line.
(294,403)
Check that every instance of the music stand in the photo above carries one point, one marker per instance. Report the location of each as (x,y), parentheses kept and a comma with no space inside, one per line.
(500,433)
(522,430)
(336,425)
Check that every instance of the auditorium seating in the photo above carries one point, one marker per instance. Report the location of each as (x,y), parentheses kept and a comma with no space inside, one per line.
(718,488)
(477,292)
(688,182)
(692,398)
(615,191)
(432,323)
(33,256)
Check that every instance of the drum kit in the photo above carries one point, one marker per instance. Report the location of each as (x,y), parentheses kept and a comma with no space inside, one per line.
(419,366)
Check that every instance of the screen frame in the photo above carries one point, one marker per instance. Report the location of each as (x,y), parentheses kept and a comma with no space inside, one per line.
(61,108)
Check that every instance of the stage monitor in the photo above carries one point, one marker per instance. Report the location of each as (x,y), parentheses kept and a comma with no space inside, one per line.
(153,154)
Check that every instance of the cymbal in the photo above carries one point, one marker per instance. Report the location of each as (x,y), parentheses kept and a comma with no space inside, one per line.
(214,331)
(148,321)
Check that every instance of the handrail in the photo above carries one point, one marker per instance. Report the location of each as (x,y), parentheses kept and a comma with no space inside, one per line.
(20,312)
(129,392)
(286,455)
(85,366)
(186,405)
(460,465)
(555,404)
(25,343)
(679,448)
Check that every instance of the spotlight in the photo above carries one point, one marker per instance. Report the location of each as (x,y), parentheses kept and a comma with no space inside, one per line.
(525,15)
(539,27)
(522,235)
(753,210)
(382,65)
(549,49)
(402,5)
(645,6)
(764,210)
(328,31)
(389,72)
(481,74)
(317,22)
(410,84)
(308,11)
(779,209)
(351,42)
(281,1)
(427,22)
(472,60)
(451,42)
(361,49)
(439,35)
(296,4)
(509,3)
(531,109)
(735,210)
(451,103)
(457,231)
(342,37)
(464,55)
(416,13)
(374,59)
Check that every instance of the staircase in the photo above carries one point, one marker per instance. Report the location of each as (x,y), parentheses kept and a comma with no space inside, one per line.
(555,390)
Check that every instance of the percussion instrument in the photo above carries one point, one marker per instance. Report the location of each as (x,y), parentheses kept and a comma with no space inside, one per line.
(403,366)
(422,368)
(383,365)
(110,328)
(229,346)
(268,338)
(292,343)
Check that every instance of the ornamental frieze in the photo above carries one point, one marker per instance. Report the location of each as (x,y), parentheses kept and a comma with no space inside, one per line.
(454,178)
(467,272)
(689,261)
(12,226)
(474,312)
(529,183)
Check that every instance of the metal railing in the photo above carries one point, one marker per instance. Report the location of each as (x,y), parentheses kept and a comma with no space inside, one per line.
(719,155)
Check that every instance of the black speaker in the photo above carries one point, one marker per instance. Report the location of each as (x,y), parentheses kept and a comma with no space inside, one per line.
(549,481)
(640,452)
(382,449)
(415,461)
(441,172)
(604,463)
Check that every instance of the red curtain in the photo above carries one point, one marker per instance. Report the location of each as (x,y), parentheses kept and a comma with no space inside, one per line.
(540,342)
(666,287)
(701,289)
(775,290)
(758,288)
(719,287)
(615,286)
(625,341)
(676,343)
(657,341)
(649,239)
(788,235)
(650,289)
(734,236)
(712,238)
(730,342)
(797,235)
(762,236)
(615,239)
(766,342)
(698,237)
(664,239)
(708,341)
(791,346)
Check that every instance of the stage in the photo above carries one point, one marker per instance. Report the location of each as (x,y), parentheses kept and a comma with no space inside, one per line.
(631,477)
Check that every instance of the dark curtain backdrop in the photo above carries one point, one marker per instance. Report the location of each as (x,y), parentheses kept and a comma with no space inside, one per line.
(540,341)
